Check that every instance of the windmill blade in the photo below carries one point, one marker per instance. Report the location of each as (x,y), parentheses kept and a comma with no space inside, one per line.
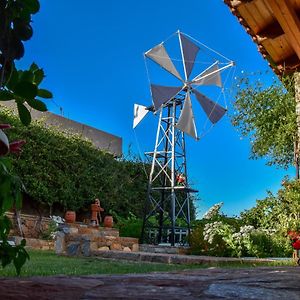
(140,112)
(159,55)
(211,76)
(162,94)
(213,110)
(189,52)
(186,122)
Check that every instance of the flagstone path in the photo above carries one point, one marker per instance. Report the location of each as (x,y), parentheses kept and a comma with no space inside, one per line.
(214,283)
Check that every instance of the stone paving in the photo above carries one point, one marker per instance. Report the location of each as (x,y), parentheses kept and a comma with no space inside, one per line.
(214,283)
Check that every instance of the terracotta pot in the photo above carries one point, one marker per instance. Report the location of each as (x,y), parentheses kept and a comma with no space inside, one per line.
(70,216)
(108,221)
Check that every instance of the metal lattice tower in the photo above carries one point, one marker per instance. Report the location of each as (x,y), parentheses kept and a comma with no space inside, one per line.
(168,196)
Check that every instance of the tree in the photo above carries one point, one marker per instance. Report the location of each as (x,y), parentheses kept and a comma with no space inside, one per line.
(278,212)
(267,116)
(23,87)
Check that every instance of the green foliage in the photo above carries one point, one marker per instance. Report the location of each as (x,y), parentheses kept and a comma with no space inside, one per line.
(62,168)
(222,236)
(49,233)
(267,116)
(18,85)
(10,197)
(130,226)
(277,212)
(23,87)
(266,245)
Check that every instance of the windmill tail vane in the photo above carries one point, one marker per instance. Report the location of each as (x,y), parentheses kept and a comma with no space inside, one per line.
(162,95)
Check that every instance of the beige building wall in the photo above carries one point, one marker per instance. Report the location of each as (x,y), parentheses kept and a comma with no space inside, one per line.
(101,139)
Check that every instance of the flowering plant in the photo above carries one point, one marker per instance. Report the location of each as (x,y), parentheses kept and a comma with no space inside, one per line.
(213,211)
(10,197)
(226,236)
(53,227)
(295,237)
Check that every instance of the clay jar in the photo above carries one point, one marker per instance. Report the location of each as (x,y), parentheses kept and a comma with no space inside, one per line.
(70,216)
(108,222)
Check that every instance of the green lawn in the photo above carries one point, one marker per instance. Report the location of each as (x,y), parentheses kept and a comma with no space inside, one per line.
(45,263)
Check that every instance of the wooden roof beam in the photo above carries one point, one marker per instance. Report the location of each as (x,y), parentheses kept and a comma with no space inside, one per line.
(290,63)
(271,31)
(236,3)
(288,20)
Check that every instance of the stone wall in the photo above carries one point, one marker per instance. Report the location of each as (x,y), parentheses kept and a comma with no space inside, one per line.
(36,244)
(32,226)
(82,239)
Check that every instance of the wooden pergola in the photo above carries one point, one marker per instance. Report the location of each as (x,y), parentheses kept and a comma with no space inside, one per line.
(274,26)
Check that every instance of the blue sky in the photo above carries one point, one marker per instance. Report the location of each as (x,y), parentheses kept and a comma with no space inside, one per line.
(92,54)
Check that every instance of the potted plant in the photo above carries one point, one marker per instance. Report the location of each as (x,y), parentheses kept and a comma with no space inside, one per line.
(70,216)
(108,220)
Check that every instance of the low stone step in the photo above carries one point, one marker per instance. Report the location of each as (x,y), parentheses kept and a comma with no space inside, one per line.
(173,258)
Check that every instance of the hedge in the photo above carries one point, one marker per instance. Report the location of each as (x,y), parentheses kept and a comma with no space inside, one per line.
(62,168)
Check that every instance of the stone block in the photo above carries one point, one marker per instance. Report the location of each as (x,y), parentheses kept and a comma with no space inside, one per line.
(69,230)
(94,246)
(116,246)
(102,241)
(128,242)
(104,248)
(135,247)
(108,232)
(33,243)
(73,249)
(85,247)
(73,230)
(88,230)
(16,239)
(60,245)
(127,249)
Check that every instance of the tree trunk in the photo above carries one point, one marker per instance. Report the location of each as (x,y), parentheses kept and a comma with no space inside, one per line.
(297,142)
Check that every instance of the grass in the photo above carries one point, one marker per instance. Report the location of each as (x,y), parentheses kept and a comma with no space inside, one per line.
(47,263)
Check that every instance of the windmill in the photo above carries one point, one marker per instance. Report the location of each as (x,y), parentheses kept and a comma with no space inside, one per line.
(168,205)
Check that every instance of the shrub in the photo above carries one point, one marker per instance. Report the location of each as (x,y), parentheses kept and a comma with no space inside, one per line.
(61,168)
(219,235)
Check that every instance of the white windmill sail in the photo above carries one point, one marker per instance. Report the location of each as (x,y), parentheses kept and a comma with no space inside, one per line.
(159,55)
(189,53)
(213,110)
(140,112)
(162,94)
(186,122)
(211,76)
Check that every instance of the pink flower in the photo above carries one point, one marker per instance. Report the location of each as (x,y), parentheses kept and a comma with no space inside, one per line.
(5,126)
(15,147)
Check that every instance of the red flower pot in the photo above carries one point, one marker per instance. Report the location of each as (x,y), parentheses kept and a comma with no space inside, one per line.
(108,222)
(70,216)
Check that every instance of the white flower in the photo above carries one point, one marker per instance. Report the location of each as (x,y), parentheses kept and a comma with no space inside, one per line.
(57,219)
(213,211)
